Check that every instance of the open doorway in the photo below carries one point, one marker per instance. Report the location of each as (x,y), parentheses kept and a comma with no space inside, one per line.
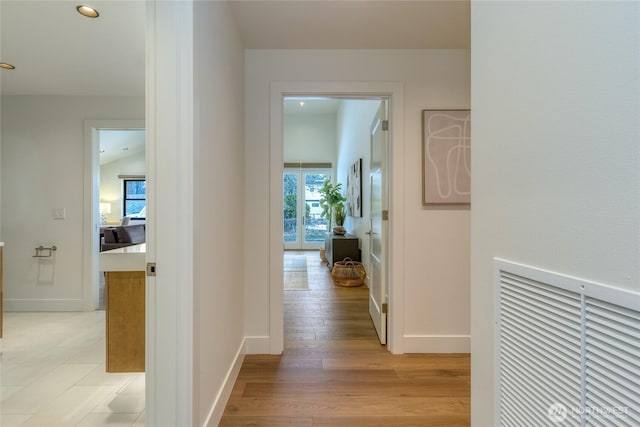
(394,92)
(326,138)
(104,203)
(116,158)
(122,191)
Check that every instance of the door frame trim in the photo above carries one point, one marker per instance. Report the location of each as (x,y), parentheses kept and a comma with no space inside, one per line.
(394,91)
(169,392)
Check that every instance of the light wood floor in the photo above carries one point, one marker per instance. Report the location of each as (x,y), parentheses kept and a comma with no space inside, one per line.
(334,372)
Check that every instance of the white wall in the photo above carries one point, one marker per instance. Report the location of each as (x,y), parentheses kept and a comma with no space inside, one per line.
(436,241)
(354,142)
(111,185)
(309,138)
(218,86)
(556,176)
(42,168)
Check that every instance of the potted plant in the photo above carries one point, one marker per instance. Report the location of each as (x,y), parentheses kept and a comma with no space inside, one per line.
(340,214)
(331,199)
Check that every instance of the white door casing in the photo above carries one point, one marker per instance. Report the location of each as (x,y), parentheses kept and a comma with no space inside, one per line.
(394,92)
(170,200)
(378,295)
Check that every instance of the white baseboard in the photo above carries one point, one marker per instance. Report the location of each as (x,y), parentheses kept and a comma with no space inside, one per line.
(43,305)
(411,344)
(258,345)
(437,344)
(220,402)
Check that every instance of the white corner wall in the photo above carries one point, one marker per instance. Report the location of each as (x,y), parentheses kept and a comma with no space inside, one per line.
(42,168)
(218,87)
(111,185)
(435,269)
(556,160)
(309,138)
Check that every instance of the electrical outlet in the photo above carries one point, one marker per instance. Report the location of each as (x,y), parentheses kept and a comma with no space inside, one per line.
(58,213)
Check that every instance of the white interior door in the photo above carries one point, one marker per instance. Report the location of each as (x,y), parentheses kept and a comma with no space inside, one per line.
(304,227)
(378,295)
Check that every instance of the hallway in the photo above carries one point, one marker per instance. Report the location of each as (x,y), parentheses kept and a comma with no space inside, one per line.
(334,372)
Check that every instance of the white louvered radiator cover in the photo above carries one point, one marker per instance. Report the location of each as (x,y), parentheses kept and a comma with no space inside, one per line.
(567,350)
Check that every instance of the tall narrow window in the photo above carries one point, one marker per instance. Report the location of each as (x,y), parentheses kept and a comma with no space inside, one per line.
(134,198)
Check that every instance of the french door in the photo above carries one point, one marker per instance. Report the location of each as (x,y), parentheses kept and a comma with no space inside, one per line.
(304,227)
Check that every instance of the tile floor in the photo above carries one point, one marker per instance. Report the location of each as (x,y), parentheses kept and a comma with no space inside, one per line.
(52,374)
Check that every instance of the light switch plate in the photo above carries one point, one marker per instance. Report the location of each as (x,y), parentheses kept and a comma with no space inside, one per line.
(58,213)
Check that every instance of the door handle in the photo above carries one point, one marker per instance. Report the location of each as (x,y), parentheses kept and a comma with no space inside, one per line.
(370,232)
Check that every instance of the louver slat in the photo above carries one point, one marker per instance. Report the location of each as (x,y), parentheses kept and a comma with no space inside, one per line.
(612,364)
(567,342)
(540,343)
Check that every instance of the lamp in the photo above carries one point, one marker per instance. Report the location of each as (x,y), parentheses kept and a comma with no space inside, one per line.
(105,208)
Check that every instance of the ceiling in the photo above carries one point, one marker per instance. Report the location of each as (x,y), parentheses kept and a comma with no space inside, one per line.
(121,143)
(354,24)
(56,51)
(310,105)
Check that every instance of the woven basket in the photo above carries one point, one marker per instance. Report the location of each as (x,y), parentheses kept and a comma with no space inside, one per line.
(348,273)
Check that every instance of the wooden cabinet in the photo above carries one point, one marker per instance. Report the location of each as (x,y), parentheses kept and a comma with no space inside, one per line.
(125,308)
(337,248)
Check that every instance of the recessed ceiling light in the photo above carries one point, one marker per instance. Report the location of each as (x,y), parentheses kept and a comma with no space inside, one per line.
(87,11)
(302,103)
(7,66)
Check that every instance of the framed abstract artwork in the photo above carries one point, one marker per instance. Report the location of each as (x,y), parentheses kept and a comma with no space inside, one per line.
(354,189)
(446,157)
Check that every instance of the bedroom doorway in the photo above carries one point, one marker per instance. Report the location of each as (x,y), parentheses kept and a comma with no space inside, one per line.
(393,92)
(98,196)
(337,130)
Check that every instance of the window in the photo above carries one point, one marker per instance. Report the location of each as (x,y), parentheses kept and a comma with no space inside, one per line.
(134,198)
(304,226)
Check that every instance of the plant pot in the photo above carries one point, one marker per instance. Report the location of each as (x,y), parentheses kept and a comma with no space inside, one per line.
(339,230)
